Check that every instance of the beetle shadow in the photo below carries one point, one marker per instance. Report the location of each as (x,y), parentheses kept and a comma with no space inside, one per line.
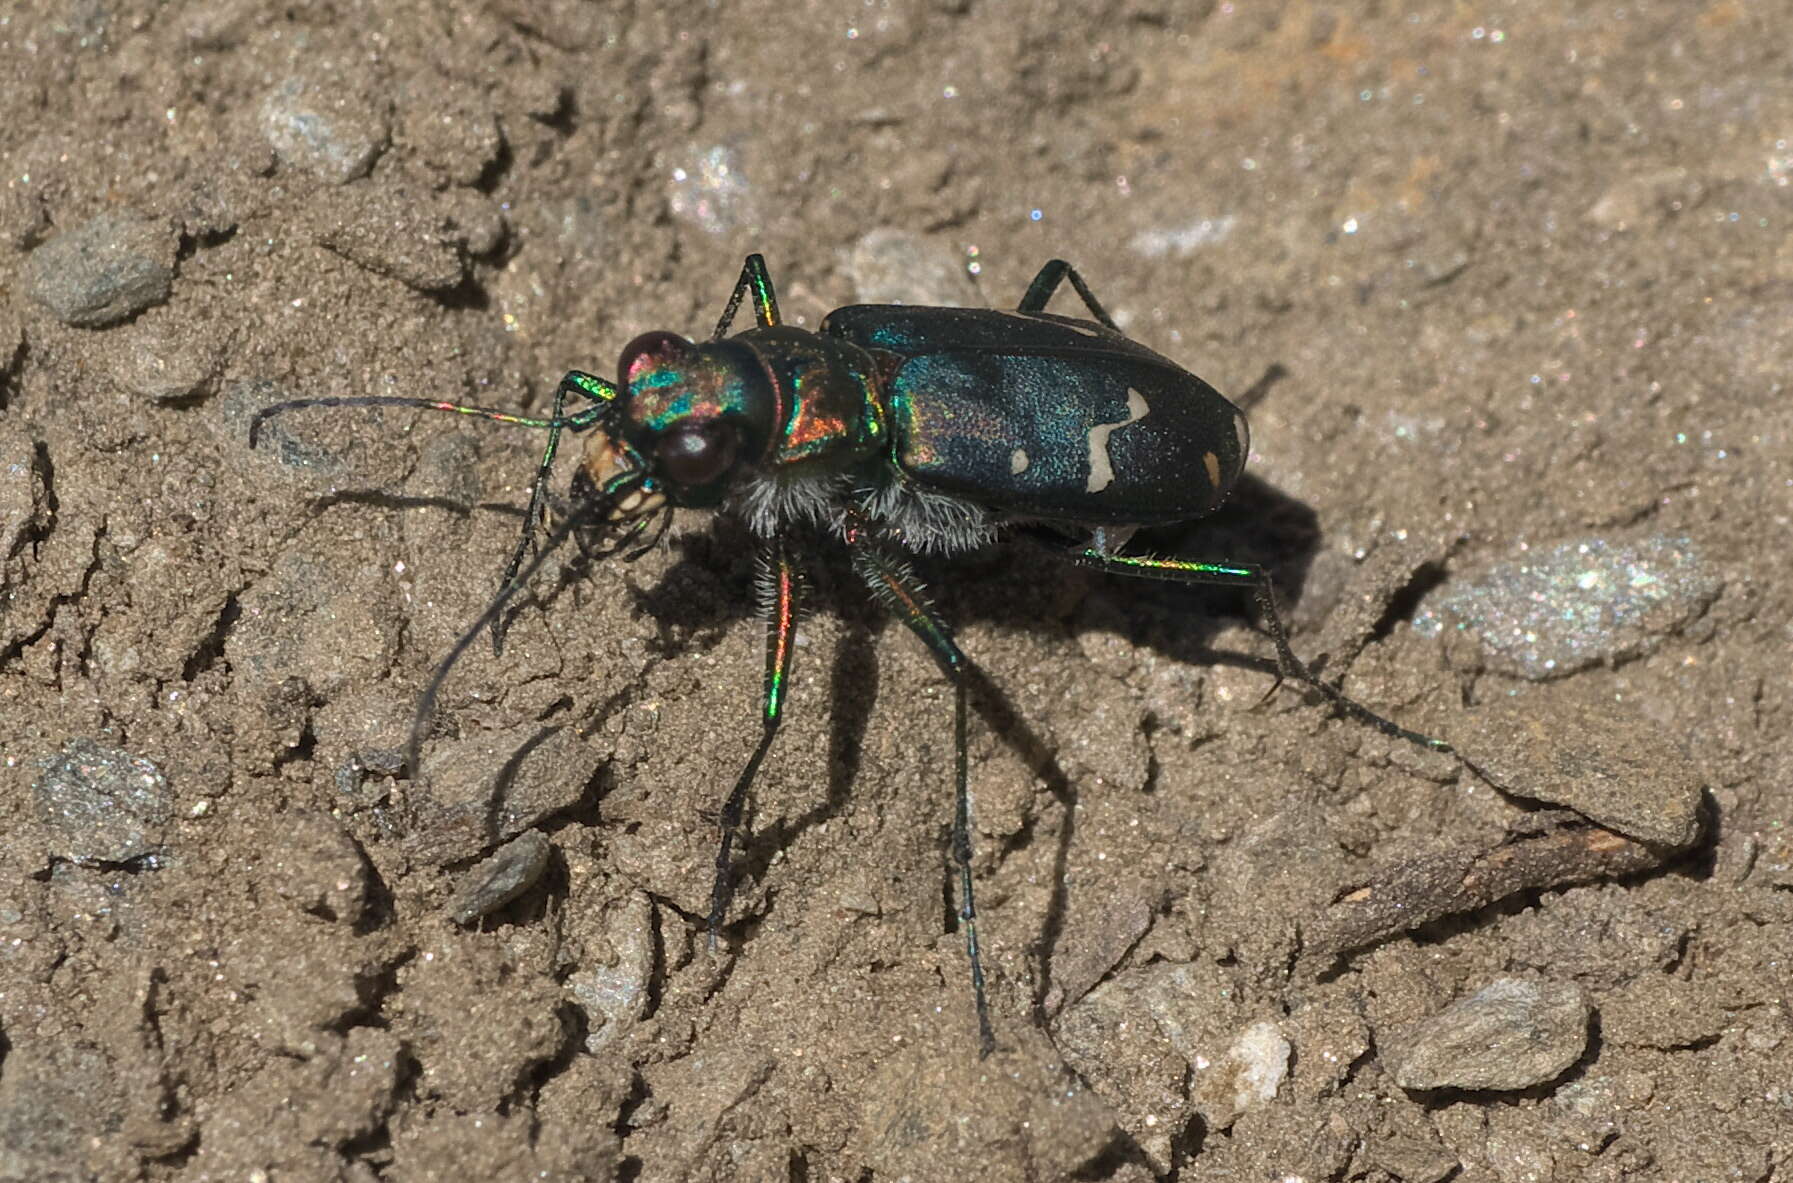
(1007,586)
(1258,525)
(1012,585)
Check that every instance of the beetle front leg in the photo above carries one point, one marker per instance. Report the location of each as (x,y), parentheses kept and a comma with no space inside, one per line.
(1039,292)
(755,279)
(895,586)
(586,386)
(1250,575)
(778,597)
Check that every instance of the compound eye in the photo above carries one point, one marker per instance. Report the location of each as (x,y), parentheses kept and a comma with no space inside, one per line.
(655,348)
(696,454)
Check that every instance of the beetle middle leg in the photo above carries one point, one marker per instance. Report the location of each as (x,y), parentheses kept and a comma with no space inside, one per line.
(1046,282)
(1250,575)
(756,281)
(895,586)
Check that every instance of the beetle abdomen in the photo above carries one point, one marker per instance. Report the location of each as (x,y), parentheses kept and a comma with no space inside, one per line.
(1092,440)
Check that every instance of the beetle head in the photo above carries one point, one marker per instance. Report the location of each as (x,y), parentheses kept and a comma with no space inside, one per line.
(692,417)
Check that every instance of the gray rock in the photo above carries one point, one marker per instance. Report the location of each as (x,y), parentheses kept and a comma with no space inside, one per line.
(102,805)
(1613,768)
(489,786)
(103,271)
(1575,605)
(613,992)
(494,882)
(1511,1034)
(329,131)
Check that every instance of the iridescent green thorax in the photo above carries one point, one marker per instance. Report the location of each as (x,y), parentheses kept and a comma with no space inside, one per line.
(828,400)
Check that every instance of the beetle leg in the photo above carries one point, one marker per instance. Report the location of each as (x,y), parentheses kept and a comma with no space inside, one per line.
(1047,281)
(588,387)
(755,279)
(1258,580)
(778,599)
(894,585)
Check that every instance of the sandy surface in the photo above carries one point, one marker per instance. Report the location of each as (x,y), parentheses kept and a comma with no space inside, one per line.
(1520,279)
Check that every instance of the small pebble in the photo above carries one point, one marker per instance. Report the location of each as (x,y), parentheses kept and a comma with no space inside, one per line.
(168,364)
(892,266)
(1575,605)
(1511,1034)
(103,271)
(494,882)
(326,130)
(613,991)
(104,806)
(1247,1076)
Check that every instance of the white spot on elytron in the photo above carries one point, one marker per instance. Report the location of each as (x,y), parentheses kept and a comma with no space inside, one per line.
(1018,461)
(1101,471)
(1213,465)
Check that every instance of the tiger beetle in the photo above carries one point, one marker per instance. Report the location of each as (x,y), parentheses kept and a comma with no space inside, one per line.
(900,431)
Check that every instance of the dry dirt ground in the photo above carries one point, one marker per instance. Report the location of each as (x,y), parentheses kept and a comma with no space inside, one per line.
(1510,285)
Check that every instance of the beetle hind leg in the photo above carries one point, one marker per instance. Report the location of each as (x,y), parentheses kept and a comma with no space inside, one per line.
(1040,291)
(1250,575)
